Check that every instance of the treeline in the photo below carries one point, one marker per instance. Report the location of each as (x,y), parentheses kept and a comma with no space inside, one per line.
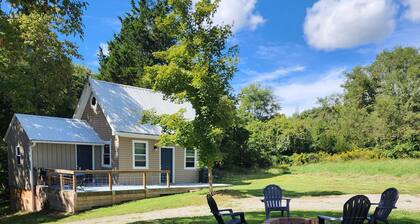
(379,111)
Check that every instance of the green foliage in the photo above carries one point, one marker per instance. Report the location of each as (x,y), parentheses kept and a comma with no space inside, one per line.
(132,48)
(354,154)
(196,69)
(257,102)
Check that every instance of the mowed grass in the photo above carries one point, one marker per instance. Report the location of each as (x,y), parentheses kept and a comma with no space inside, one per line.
(352,177)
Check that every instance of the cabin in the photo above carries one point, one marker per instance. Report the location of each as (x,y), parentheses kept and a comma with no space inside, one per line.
(101,156)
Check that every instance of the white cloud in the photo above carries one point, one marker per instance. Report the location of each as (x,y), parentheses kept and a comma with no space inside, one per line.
(279,72)
(105,49)
(304,95)
(239,13)
(332,24)
(413,10)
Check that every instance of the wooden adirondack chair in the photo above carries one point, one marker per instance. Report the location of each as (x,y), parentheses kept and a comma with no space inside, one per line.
(219,213)
(388,200)
(355,211)
(273,197)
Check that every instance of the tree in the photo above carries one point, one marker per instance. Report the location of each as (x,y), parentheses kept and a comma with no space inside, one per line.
(132,49)
(35,64)
(258,102)
(197,69)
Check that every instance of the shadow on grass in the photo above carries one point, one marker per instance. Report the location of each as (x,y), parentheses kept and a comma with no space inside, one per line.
(259,217)
(35,217)
(259,193)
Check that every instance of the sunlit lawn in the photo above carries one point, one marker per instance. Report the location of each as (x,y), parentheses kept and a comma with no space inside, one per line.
(355,177)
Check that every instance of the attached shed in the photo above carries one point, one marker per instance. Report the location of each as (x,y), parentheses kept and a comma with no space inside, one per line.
(47,142)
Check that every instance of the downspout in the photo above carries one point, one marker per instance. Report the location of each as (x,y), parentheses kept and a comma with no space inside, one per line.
(31,175)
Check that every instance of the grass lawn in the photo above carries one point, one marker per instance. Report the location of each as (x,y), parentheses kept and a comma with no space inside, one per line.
(353,177)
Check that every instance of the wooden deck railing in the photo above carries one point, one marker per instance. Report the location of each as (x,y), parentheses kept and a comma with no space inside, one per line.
(70,176)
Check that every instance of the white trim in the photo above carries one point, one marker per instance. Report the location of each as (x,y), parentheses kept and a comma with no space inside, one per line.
(68,143)
(135,135)
(185,160)
(93,157)
(83,100)
(20,154)
(110,157)
(147,154)
(31,178)
(173,162)
(75,153)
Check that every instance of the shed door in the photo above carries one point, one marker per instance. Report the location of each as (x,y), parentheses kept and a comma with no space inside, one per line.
(84,157)
(166,163)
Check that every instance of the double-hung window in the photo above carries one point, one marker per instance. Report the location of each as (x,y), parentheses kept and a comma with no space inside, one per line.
(140,154)
(106,156)
(18,156)
(190,159)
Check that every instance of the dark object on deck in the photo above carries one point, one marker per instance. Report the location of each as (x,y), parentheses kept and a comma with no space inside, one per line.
(219,213)
(273,197)
(388,200)
(203,175)
(355,211)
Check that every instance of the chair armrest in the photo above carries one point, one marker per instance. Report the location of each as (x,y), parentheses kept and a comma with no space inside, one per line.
(286,198)
(392,207)
(226,210)
(329,218)
(374,203)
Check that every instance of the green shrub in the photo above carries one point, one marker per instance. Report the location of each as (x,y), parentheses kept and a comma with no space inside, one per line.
(306,158)
(404,150)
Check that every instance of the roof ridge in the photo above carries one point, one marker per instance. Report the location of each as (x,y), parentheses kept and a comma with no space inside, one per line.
(128,86)
(50,117)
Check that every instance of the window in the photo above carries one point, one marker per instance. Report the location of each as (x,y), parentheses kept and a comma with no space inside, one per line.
(140,150)
(18,156)
(93,101)
(190,158)
(106,156)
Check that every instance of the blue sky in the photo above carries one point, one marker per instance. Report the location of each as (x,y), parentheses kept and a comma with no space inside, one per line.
(299,49)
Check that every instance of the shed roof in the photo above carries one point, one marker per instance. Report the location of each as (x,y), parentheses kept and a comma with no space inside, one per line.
(123,106)
(54,129)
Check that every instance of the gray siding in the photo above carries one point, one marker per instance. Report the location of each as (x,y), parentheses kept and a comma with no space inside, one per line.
(97,119)
(19,175)
(55,156)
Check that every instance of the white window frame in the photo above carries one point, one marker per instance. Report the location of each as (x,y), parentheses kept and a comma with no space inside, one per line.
(110,156)
(185,160)
(133,154)
(18,154)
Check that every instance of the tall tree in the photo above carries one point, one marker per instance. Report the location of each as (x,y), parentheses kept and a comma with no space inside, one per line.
(258,102)
(35,64)
(197,69)
(131,49)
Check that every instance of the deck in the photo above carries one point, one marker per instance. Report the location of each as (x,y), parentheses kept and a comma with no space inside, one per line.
(74,191)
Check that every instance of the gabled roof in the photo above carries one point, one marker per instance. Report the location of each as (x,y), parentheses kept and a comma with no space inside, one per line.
(57,130)
(122,106)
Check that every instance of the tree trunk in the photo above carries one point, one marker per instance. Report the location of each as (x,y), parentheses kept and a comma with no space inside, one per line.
(210,176)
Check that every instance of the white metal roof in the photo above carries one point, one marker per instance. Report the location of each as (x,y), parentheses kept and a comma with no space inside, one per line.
(54,129)
(122,106)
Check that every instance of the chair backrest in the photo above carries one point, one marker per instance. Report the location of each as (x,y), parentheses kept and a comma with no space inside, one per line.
(388,200)
(355,210)
(272,196)
(214,209)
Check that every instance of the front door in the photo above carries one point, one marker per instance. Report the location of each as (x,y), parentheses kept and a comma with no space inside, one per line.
(84,157)
(166,163)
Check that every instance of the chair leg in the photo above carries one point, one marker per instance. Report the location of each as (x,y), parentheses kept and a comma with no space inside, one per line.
(267,214)
(288,213)
(243,218)
(282,213)
(321,221)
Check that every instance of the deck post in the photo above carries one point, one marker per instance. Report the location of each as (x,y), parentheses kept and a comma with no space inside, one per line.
(74,182)
(61,182)
(144,184)
(168,181)
(110,180)
(49,178)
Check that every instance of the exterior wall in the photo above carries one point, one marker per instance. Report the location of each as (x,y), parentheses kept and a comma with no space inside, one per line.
(182,175)
(54,156)
(19,175)
(96,118)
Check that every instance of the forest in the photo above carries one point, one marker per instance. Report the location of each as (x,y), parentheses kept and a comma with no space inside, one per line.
(378,114)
